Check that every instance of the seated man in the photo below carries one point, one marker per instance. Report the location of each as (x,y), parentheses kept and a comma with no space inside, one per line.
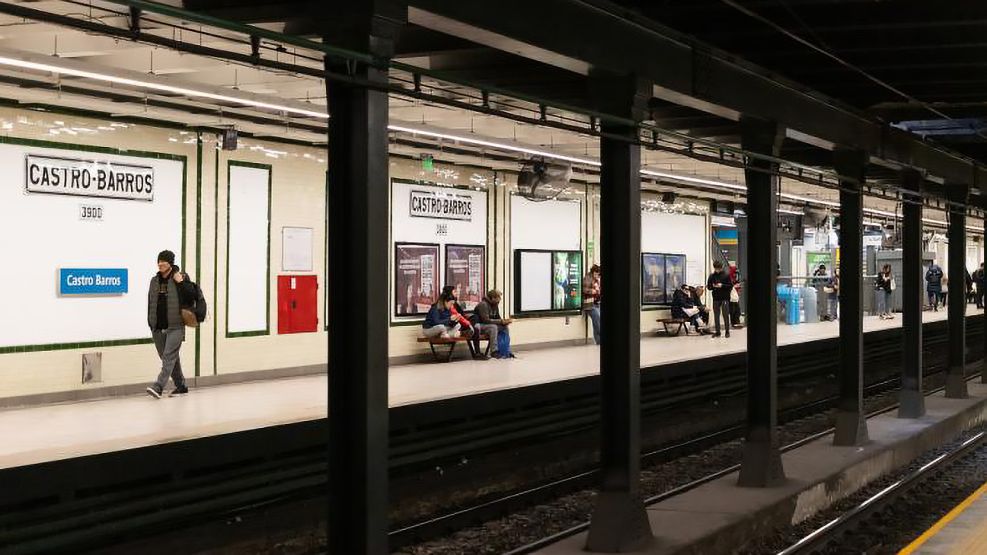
(682,307)
(488,320)
(697,301)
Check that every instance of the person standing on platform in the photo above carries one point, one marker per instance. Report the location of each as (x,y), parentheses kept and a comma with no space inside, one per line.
(735,297)
(720,284)
(944,291)
(933,285)
(978,282)
(884,284)
(168,292)
(591,299)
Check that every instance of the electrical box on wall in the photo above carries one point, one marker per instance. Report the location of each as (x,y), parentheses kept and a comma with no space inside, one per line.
(298,299)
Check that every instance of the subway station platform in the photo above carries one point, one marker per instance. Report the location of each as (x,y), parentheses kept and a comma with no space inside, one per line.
(961,531)
(46,433)
(717,517)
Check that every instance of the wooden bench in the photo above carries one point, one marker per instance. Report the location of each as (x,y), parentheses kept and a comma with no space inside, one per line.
(451,342)
(683,324)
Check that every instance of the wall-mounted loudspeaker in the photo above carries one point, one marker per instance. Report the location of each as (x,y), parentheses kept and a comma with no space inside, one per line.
(229,139)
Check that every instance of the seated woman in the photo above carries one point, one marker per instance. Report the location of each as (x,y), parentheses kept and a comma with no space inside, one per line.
(682,307)
(439,321)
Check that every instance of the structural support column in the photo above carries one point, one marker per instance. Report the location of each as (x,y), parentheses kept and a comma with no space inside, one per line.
(911,398)
(955,374)
(619,522)
(358,248)
(851,426)
(761,465)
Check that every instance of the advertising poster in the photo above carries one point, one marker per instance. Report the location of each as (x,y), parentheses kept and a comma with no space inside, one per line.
(567,275)
(814,259)
(416,284)
(653,278)
(674,272)
(465,272)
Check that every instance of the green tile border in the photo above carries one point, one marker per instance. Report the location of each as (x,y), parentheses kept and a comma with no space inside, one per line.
(40,143)
(270,201)
(198,239)
(70,346)
(215,266)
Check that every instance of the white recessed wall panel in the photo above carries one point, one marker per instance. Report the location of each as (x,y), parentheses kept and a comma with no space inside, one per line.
(45,232)
(248,249)
(685,234)
(546,225)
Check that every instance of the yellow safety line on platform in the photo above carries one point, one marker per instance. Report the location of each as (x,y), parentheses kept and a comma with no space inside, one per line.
(957,511)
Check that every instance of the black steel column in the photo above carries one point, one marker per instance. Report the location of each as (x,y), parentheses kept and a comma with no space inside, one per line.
(911,398)
(761,465)
(851,426)
(619,522)
(357,291)
(955,374)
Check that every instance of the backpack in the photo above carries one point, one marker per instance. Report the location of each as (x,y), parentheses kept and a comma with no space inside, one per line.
(198,306)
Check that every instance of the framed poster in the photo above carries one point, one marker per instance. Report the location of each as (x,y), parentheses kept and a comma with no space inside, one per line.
(533,281)
(653,279)
(547,281)
(567,280)
(296,249)
(674,273)
(416,283)
(465,265)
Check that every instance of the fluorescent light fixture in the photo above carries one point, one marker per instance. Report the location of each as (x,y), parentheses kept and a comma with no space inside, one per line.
(793,212)
(689,179)
(157,86)
(790,196)
(491,144)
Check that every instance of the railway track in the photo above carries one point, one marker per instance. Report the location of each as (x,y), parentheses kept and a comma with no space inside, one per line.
(120,497)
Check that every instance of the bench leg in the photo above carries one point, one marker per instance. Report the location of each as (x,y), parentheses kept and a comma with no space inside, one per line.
(683,326)
(452,347)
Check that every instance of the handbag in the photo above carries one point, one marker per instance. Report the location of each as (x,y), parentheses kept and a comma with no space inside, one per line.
(893,284)
(189,319)
(734,295)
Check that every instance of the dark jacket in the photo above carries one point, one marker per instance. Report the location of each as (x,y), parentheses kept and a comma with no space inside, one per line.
(487,313)
(438,316)
(883,283)
(681,301)
(721,278)
(978,277)
(179,295)
(933,278)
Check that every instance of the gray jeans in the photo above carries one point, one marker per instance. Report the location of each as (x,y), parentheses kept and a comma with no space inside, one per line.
(439,329)
(169,343)
(491,331)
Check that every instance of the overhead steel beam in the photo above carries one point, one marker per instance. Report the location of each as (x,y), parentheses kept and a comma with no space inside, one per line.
(682,70)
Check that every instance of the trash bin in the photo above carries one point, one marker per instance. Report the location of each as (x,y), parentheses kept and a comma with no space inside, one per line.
(810,302)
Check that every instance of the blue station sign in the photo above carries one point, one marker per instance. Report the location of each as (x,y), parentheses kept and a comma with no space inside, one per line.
(92,281)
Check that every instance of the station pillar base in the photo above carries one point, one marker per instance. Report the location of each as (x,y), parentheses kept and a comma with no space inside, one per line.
(956,385)
(761,465)
(911,404)
(851,429)
(619,525)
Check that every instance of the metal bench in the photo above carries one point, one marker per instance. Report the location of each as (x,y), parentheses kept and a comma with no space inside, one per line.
(451,342)
(667,322)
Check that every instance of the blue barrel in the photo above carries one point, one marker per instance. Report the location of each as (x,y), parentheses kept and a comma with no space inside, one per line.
(792,313)
(783,291)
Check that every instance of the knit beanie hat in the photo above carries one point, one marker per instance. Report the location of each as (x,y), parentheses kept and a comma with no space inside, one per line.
(167,256)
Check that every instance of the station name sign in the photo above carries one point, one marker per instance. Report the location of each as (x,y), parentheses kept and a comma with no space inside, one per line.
(92,281)
(88,178)
(447,206)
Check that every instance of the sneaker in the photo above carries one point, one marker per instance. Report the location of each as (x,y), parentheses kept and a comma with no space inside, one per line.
(179,391)
(715,335)
(727,335)
(153,392)
(480,356)
(444,335)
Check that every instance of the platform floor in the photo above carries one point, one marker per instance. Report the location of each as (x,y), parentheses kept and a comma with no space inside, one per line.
(54,432)
(962,531)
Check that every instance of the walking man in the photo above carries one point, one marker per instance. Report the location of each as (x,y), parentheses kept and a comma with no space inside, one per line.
(168,292)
